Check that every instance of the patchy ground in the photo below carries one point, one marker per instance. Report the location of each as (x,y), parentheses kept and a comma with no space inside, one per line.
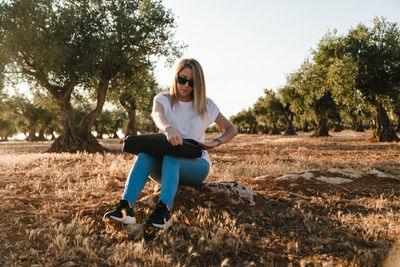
(319,202)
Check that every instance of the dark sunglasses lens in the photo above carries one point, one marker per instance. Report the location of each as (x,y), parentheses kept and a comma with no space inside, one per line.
(182,80)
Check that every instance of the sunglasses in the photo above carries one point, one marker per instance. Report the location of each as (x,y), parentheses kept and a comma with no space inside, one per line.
(183,81)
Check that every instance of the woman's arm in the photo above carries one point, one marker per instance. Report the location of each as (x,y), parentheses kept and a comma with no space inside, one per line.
(229,132)
(162,123)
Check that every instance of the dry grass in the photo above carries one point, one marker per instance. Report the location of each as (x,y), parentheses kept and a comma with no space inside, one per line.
(52,207)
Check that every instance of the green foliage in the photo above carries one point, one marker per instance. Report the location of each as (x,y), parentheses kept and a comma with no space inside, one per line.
(8,119)
(83,44)
(135,93)
(213,129)
(269,110)
(376,53)
(103,123)
(245,121)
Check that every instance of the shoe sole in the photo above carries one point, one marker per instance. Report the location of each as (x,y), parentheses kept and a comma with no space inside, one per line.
(162,226)
(126,220)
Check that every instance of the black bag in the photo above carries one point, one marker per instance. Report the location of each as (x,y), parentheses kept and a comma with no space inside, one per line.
(158,145)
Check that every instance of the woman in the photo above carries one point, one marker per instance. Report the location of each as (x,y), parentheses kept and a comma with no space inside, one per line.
(184,112)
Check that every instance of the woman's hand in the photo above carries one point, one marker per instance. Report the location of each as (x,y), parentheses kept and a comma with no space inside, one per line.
(209,145)
(173,136)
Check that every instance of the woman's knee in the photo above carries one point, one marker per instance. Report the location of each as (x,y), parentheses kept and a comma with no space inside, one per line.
(143,156)
(167,159)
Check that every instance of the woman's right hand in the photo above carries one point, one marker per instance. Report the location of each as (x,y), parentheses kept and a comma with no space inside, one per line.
(173,136)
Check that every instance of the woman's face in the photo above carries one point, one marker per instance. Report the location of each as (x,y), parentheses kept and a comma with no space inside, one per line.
(184,90)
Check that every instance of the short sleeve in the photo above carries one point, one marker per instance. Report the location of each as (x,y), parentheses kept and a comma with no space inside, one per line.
(162,98)
(212,110)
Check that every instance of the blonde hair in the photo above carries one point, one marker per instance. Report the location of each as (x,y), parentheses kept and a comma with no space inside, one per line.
(199,85)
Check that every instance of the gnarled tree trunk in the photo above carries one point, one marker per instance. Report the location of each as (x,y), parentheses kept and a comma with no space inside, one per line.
(74,138)
(275,130)
(384,131)
(41,136)
(130,108)
(322,129)
(289,126)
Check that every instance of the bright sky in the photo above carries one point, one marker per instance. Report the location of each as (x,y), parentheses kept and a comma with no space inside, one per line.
(247,46)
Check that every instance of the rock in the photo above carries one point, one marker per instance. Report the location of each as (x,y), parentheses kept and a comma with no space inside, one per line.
(334,180)
(382,174)
(288,177)
(234,190)
(135,229)
(307,175)
(263,177)
(344,173)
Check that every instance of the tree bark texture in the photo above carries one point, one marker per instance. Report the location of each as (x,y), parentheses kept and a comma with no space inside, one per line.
(398,124)
(384,131)
(130,108)
(322,129)
(289,126)
(275,130)
(75,139)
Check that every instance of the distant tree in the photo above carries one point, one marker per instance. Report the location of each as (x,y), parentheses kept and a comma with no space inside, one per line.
(102,124)
(119,120)
(394,105)
(8,118)
(30,116)
(213,129)
(135,92)
(287,96)
(245,121)
(49,122)
(310,82)
(367,62)
(82,44)
(269,109)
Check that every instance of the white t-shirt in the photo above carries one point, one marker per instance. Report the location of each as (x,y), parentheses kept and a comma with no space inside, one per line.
(184,119)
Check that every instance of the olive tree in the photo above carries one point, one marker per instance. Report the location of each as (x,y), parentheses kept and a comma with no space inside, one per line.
(82,44)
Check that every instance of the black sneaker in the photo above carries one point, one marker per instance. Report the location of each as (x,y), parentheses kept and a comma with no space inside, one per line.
(160,217)
(122,213)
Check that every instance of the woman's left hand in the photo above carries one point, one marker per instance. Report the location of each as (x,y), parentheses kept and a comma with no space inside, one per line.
(209,145)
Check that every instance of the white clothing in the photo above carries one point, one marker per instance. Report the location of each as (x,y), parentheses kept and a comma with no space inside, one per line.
(185,120)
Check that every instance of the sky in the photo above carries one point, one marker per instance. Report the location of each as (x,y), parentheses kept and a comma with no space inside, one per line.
(247,46)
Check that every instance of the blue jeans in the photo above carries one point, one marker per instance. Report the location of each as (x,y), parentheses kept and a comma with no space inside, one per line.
(169,171)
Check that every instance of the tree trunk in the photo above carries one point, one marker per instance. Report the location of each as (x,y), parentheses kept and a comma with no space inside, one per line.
(275,130)
(306,127)
(85,127)
(398,124)
(75,139)
(41,136)
(322,129)
(32,136)
(130,108)
(359,127)
(384,131)
(338,127)
(289,127)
